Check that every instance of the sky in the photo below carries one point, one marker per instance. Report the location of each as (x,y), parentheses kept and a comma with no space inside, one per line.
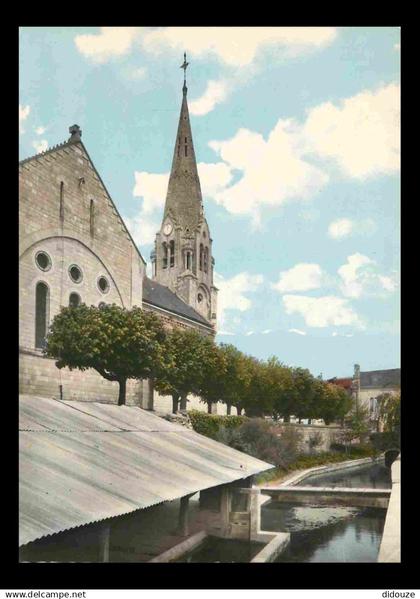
(297,137)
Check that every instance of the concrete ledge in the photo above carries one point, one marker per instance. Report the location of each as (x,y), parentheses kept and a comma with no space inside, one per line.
(390,549)
(355,497)
(178,550)
(297,478)
(277,545)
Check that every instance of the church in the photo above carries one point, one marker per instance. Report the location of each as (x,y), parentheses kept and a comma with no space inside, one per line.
(75,248)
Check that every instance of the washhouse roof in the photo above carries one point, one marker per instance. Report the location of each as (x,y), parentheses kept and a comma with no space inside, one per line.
(82,462)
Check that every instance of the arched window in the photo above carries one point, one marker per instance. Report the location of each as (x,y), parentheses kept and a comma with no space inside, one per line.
(189,260)
(201,256)
(74,300)
(92,218)
(206,259)
(164,255)
(61,200)
(172,252)
(41,314)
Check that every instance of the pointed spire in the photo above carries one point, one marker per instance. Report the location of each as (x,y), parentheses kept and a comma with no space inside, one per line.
(183,198)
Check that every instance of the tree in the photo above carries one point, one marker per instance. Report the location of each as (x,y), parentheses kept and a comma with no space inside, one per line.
(119,344)
(214,381)
(184,366)
(231,384)
(333,403)
(390,411)
(356,425)
(278,387)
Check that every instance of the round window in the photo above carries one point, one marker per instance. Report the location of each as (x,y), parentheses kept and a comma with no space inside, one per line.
(103,284)
(101,305)
(75,274)
(43,261)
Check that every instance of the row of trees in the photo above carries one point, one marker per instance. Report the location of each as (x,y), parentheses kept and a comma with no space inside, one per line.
(125,344)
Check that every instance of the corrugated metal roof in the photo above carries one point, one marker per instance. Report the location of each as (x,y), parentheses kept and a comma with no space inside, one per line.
(83,462)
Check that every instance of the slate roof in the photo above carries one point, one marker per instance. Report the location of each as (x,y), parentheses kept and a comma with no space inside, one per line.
(380,378)
(161,296)
(82,462)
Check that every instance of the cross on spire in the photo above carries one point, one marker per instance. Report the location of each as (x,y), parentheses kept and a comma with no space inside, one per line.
(184,66)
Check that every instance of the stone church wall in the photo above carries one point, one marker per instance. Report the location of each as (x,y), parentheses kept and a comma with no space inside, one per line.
(40,376)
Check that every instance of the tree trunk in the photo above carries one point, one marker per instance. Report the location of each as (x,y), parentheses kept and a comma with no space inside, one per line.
(239,410)
(183,404)
(228,409)
(174,404)
(209,407)
(286,418)
(121,395)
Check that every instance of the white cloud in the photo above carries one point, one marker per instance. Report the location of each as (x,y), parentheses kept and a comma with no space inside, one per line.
(40,130)
(233,294)
(344,227)
(109,43)
(323,311)
(136,73)
(340,228)
(359,277)
(361,135)
(23,115)
(214,177)
(142,228)
(40,146)
(237,46)
(297,331)
(266,331)
(249,333)
(301,277)
(152,188)
(226,333)
(273,170)
(215,93)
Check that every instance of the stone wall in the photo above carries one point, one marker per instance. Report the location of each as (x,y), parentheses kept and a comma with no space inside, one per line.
(326,435)
(40,376)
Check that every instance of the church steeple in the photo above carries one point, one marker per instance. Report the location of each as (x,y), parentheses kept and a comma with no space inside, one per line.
(183,198)
(182,259)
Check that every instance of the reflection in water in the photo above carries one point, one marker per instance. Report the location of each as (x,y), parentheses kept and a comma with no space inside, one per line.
(215,550)
(369,476)
(333,535)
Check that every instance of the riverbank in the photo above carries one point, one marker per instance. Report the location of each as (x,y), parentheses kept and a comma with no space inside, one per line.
(306,463)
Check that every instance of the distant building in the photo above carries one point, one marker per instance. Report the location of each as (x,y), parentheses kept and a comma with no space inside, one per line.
(369,386)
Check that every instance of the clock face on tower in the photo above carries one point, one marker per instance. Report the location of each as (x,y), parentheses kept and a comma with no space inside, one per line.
(167,229)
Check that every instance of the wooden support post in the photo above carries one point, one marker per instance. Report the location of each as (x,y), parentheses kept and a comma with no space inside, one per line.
(104,534)
(225,508)
(183,527)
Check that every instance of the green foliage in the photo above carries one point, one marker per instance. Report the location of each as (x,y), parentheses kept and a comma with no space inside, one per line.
(390,411)
(210,424)
(188,359)
(118,343)
(259,438)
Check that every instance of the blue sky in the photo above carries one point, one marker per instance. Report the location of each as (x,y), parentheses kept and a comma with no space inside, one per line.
(296,132)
